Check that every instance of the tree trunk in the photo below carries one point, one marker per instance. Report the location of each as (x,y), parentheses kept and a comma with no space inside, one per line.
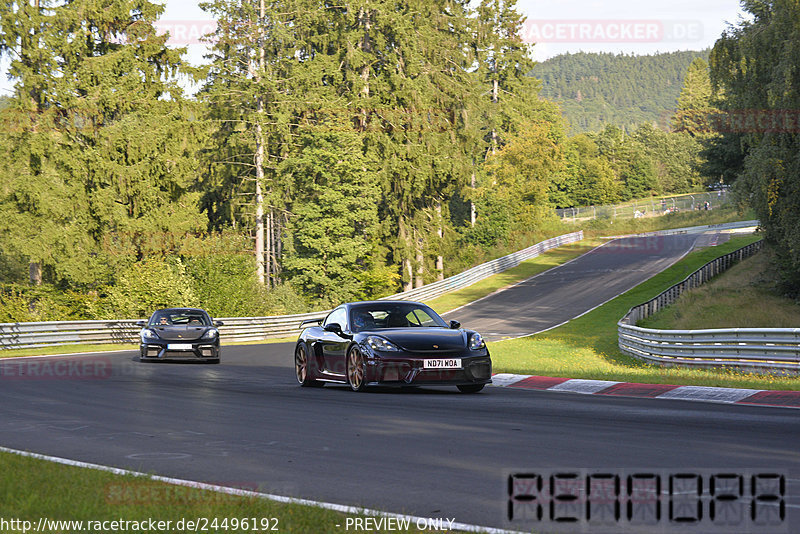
(280,224)
(440,235)
(364,45)
(407,270)
(420,259)
(471,202)
(272,252)
(260,267)
(35,273)
(495,98)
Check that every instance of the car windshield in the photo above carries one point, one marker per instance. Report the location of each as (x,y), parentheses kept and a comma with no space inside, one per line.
(180,318)
(394,315)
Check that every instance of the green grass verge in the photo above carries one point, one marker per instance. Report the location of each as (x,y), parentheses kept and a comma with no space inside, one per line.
(442,304)
(111,347)
(620,226)
(592,230)
(67,349)
(523,271)
(31,489)
(586,347)
(744,296)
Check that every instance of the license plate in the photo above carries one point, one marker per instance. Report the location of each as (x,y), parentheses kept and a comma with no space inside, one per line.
(179,346)
(451,363)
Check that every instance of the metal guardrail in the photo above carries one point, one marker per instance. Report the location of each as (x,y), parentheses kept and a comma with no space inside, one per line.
(752,349)
(647,208)
(484,270)
(721,227)
(125,331)
(53,333)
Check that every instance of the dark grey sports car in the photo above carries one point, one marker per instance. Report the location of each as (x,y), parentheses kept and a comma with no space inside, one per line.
(179,334)
(397,343)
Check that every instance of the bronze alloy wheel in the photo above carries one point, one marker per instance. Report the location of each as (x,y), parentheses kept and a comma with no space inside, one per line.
(355,369)
(300,364)
(301,367)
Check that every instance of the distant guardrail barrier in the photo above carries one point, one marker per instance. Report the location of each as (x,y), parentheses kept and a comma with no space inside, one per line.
(752,349)
(647,208)
(54,333)
(484,270)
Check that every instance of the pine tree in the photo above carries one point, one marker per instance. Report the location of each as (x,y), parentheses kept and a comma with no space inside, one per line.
(695,109)
(84,187)
(329,238)
(409,78)
(250,56)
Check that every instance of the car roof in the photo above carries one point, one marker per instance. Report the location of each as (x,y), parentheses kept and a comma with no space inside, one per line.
(182,310)
(382,302)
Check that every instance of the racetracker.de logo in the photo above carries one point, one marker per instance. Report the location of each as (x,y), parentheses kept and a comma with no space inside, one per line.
(56,369)
(186,32)
(611,31)
(142,493)
(755,121)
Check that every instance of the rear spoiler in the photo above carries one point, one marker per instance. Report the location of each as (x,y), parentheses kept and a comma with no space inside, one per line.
(309,321)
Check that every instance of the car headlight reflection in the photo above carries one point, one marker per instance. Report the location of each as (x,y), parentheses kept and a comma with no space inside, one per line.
(149,334)
(476,342)
(381,344)
(211,333)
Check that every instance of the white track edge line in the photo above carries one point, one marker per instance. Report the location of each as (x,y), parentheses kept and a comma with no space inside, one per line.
(66,354)
(741,402)
(546,271)
(248,493)
(602,303)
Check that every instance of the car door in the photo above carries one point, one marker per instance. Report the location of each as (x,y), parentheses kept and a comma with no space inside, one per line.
(334,346)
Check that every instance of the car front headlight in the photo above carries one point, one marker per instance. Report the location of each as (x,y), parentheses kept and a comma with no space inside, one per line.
(476,342)
(381,344)
(211,333)
(148,334)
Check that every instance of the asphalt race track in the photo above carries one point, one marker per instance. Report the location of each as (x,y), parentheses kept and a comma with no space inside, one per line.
(426,452)
(561,293)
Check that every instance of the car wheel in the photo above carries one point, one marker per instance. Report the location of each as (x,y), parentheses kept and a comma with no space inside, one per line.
(301,367)
(470,388)
(356,369)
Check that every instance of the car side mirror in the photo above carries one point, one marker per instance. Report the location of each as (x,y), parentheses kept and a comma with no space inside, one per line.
(455,325)
(336,328)
(141,323)
(219,323)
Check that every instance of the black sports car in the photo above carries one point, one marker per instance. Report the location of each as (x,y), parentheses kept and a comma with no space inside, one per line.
(397,343)
(179,334)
